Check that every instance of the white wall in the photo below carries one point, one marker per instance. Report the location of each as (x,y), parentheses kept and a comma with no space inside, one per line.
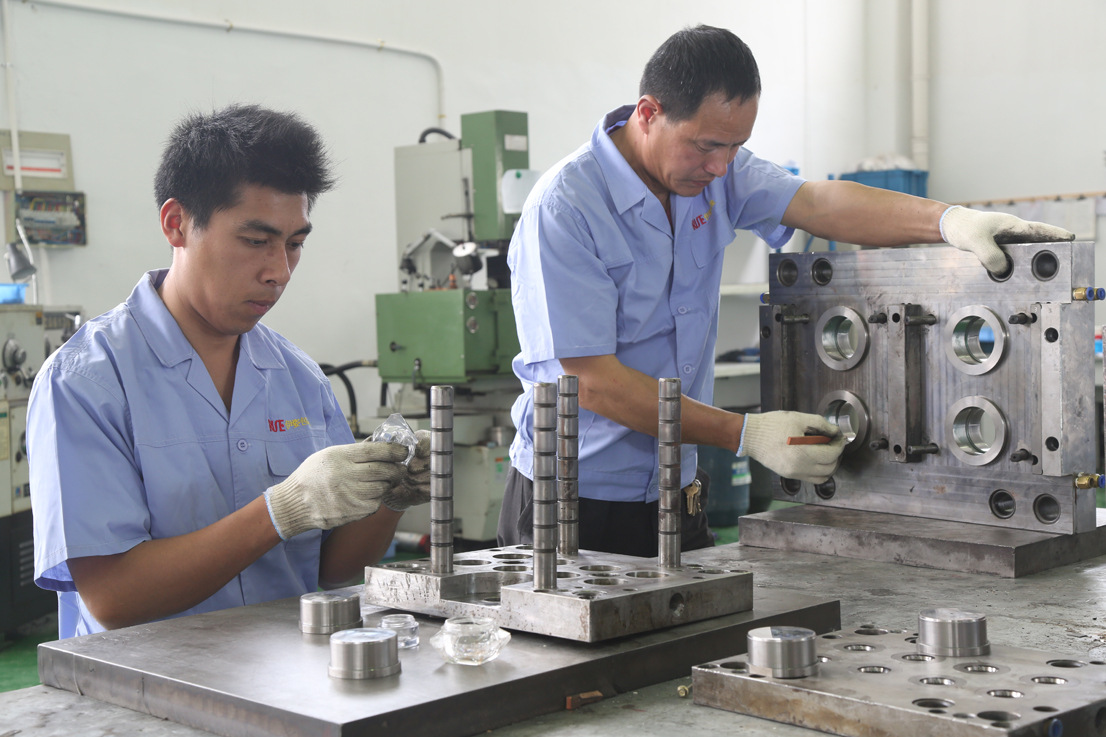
(1016,108)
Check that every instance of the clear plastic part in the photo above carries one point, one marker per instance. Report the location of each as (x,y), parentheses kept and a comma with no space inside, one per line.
(470,640)
(396,430)
(405,627)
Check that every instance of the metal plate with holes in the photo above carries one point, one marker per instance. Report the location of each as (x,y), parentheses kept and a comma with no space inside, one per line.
(598,596)
(968,398)
(872,682)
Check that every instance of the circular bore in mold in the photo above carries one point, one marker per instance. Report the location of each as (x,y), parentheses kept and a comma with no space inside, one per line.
(1046,509)
(821,271)
(975,339)
(1045,265)
(849,413)
(842,338)
(791,486)
(952,633)
(787,272)
(977,428)
(1002,503)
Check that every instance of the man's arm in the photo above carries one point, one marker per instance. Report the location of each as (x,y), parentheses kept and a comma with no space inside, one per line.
(629,397)
(350,548)
(852,213)
(159,578)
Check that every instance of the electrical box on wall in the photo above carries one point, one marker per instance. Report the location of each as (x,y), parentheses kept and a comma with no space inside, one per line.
(51,212)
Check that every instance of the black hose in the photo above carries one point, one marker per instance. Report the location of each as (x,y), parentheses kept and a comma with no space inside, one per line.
(439,131)
(329,370)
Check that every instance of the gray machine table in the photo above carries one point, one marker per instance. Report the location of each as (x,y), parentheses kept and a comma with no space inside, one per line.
(1060,611)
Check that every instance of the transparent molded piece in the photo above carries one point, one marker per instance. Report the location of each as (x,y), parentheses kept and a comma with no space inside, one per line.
(396,430)
(405,627)
(470,640)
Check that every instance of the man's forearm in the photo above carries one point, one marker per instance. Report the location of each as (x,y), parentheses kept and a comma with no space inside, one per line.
(629,397)
(867,216)
(159,578)
(351,547)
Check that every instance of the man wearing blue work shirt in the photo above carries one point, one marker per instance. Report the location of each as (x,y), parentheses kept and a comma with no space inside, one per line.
(616,266)
(184,457)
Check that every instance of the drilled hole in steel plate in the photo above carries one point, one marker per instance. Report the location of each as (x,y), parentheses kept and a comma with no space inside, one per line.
(734,665)
(765,332)
(937,711)
(787,272)
(1052,335)
(598,568)
(978,668)
(676,605)
(917,657)
(1066,663)
(603,581)
(912,639)
(1052,444)
(823,658)
(874,669)
(1046,508)
(713,571)
(791,486)
(826,489)
(831,637)
(1045,709)
(856,647)
(933,703)
(567,574)
(511,568)
(525,546)
(872,631)
(629,589)
(937,681)
(1049,680)
(585,594)
(821,271)
(708,666)
(1098,662)
(1003,504)
(470,562)
(492,599)
(1005,693)
(1045,265)
(646,574)
(512,556)
(999,716)
(406,566)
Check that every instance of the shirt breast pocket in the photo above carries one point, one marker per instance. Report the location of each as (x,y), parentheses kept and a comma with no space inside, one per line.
(286,456)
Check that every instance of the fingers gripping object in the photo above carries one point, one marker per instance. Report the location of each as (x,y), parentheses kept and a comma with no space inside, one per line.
(334,486)
(980,233)
(765,438)
(414,486)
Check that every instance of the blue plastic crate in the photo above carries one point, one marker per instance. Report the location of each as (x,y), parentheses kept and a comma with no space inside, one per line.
(910,181)
(12,293)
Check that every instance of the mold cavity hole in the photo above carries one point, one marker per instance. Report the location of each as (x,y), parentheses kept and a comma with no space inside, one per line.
(831,637)
(933,703)
(973,340)
(979,668)
(821,272)
(646,574)
(1052,335)
(1066,663)
(860,647)
(872,631)
(511,568)
(1045,265)
(895,317)
(1051,680)
(840,338)
(585,594)
(602,581)
(844,415)
(973,428)
(676,605)
(1003,504)
(765,332)
(937,681)
(1005,693)
(733,665)
(1046,508)
(826,489)
(787,272)
(999,716)
(512,556)
(491,599)
(1046,709)
(917,657)
(567,574)
(1052,443)
(874,669)
(598,568)
(791,486)
(471,562)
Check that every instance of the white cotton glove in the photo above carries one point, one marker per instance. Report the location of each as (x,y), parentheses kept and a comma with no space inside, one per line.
(334,486)
(414,487)
(981,232)
(764,438)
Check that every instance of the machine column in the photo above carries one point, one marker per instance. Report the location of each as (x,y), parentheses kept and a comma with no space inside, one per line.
(668,435)
(568,465)
(545,485)
(441,479)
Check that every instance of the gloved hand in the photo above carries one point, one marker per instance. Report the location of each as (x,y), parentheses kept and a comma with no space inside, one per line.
(414,487)
(334,486)
(764,438)
(980,232)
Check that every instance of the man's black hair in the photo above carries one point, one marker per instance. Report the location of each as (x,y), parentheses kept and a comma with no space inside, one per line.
(698,62)
(209,157)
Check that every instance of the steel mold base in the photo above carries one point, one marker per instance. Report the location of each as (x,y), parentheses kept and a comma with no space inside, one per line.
(872,682)
(599,596)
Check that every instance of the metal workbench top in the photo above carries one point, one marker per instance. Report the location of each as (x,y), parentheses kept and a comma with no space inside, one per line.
(1060,611)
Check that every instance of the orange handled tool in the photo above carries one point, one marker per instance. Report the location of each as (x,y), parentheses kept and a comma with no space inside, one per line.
(808,440)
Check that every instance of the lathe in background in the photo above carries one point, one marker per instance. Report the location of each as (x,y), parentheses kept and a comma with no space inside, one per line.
(28,334)
(451,322)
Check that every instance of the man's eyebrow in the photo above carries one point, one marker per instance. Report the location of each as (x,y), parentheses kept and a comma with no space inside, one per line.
(264,227)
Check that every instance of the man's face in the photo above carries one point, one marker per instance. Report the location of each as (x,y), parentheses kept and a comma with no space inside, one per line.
(685,156)
(237,266)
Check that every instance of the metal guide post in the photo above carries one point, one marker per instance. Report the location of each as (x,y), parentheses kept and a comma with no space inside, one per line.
(568,465)
(441,479)
(545,486)
(668,435)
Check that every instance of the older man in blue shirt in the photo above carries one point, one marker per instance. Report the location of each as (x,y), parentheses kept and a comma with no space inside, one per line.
(616,266)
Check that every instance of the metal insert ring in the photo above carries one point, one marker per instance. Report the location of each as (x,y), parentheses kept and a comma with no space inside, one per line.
(842,336)
(848,412)
(975,339)
(977,429)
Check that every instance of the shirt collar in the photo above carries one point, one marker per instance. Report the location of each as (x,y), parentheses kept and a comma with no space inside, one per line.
(166,339)
(624,184)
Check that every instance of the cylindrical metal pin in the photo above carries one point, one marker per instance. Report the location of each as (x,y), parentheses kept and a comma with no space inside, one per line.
(952,633)
(324,613)
(568,465)
(545,485)
(441,479)
(363,653)
(668,435)
(782,652)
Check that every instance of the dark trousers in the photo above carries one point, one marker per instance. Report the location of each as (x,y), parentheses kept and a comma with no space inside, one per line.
(626,528)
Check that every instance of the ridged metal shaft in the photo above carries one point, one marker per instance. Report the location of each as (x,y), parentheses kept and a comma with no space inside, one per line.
(668,435)
(545,485)
(568,465)
(441,479)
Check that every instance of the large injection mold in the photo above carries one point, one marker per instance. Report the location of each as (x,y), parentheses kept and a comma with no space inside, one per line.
(965,397)
(552,587)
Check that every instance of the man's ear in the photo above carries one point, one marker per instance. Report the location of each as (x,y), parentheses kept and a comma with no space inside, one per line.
(174,222)
(648,108)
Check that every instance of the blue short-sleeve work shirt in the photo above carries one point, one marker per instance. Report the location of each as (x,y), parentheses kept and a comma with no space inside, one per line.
(128,441)
(597,269)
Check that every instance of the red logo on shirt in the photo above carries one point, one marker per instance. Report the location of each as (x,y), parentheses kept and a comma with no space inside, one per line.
(282,425)
(701,220)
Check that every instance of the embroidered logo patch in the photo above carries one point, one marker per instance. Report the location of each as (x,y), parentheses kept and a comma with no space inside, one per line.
(701,220)
(283,425)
